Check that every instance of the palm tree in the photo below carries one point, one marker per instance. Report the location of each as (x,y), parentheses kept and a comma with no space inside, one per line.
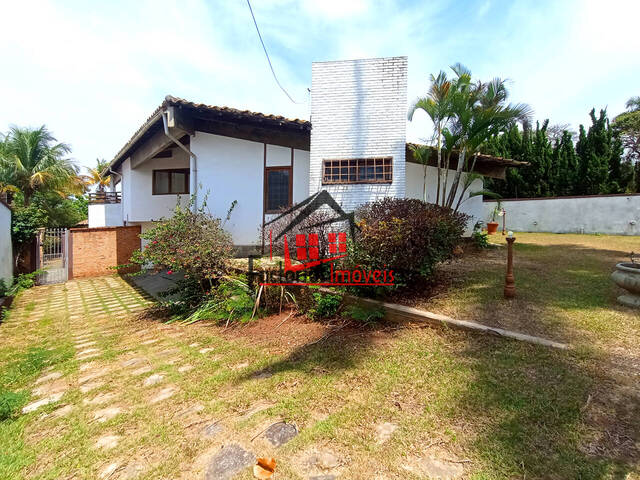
(33,162)
(95,176)
(436,104)
(465,115)
(479,112)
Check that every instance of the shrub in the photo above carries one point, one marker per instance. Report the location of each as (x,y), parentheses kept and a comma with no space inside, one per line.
(405,235)
(24,281)
(230,300)
(364,314)
(192,243)
(480,238)
(324,305)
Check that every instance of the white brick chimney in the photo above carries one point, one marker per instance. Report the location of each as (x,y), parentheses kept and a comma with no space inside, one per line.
(359,111)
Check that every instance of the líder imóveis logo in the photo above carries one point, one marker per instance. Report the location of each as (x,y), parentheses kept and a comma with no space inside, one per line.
(313,237)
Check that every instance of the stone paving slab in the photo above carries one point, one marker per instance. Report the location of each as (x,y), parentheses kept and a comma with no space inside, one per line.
(231,459)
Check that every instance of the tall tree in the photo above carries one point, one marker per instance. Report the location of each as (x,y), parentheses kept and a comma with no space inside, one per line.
(600,156)
(436,104)
(465,115)
(480,111)
(627,126)
(33,162)
(565,163)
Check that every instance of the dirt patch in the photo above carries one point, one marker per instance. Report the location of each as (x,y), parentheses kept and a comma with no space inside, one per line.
(277,336)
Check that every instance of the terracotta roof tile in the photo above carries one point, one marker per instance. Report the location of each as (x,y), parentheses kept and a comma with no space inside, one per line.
(275,120)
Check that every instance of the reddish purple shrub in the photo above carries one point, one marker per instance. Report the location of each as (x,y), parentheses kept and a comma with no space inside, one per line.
(405,235)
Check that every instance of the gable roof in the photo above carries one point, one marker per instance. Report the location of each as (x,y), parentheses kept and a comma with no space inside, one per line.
(212,114)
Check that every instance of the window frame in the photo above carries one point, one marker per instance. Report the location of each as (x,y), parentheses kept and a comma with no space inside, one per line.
(266,187)
(385,162)
(186,171)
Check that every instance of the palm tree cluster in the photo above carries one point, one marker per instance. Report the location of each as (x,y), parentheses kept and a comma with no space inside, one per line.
(32,161)
(465,115)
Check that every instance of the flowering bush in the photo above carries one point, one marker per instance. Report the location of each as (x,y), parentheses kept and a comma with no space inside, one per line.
(192,243)
(407,236)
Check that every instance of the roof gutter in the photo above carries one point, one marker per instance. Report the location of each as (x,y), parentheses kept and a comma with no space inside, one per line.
(193,159)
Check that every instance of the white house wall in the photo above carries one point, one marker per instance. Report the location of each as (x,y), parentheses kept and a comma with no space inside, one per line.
(105,215)
(471,206)
(359,110)
(139,203)
(233,169)
(6,253)
(615,214)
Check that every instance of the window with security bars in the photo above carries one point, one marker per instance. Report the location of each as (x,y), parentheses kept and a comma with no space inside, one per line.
(358,170)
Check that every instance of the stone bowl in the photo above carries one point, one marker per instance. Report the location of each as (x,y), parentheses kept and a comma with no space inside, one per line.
(627,276)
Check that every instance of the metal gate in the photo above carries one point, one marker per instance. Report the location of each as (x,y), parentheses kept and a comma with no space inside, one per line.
(52,257)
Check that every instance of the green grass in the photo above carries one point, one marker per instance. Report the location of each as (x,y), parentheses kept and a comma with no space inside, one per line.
(19,370)
(507,409)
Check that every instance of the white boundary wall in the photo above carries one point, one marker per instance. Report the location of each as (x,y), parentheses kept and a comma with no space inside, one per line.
(6,254)
(609,214)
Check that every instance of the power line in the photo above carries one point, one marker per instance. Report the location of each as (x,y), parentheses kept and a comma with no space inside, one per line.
(267,54)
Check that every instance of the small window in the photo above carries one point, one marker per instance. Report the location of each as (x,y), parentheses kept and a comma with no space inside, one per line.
(171,182)
(358,170)
(278,189)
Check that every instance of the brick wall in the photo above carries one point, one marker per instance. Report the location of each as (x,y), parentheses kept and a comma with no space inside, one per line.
(359,109)
(94,250)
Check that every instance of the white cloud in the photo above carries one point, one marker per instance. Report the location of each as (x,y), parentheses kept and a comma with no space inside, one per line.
(334,9)
(94,72)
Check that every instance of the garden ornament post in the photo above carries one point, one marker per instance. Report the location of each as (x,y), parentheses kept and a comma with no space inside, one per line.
(510,281)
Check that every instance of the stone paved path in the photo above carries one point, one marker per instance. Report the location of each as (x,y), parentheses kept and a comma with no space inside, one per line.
(126,367)
(139,398)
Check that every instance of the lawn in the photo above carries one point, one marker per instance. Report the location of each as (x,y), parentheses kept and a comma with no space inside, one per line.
(142,399)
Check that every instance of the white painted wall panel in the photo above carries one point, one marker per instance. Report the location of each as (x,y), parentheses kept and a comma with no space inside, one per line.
(105,215)
(140,205)
(617,215)
(232,169)
(300,175)
(278,156)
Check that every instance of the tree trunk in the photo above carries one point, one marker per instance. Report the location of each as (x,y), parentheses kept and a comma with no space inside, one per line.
(424,185)
(439,165)
(456,179)
(446,179)
(467,185)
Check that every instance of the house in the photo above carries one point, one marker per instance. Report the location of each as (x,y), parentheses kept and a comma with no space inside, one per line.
(355,148)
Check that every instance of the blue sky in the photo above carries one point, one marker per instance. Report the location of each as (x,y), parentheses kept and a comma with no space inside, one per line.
(93,72)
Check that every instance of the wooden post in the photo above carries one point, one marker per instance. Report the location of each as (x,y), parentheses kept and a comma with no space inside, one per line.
(510,281)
